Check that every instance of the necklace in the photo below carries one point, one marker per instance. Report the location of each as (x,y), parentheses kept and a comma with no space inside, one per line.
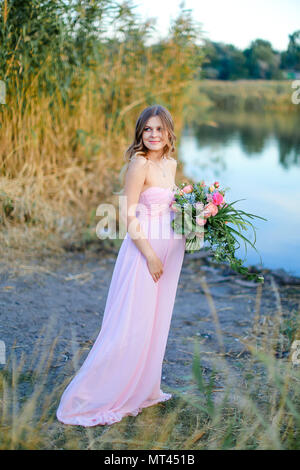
(162,169)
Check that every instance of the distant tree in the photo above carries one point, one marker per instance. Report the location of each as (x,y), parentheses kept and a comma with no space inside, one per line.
(210,67)
(224,61)
(232,63)
(262,61)
(290,59)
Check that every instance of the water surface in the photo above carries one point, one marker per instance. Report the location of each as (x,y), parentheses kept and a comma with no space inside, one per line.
(258,157)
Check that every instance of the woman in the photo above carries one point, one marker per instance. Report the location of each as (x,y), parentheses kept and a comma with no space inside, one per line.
(122,372)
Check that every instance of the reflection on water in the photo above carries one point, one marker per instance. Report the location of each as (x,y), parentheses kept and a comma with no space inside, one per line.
(258,157)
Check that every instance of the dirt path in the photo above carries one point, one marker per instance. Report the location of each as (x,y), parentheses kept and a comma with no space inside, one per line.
(66,296)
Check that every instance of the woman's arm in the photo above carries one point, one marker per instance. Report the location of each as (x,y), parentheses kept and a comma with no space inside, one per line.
(134,183)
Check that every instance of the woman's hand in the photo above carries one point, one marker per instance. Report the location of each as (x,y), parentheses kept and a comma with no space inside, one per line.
(155,267)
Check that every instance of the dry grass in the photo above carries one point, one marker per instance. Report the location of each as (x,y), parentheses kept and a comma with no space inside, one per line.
(58,163)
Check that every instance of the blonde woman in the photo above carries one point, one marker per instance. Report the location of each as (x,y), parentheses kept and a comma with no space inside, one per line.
(122,372)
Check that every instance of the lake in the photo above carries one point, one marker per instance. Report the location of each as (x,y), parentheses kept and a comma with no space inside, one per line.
(258,157)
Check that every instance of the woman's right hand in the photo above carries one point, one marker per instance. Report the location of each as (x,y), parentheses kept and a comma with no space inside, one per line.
(155,267)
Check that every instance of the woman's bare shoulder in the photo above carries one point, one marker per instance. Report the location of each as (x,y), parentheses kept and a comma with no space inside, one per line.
(138,163)
(138,157)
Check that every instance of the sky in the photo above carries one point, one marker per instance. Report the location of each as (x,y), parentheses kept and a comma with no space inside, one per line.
(236,22)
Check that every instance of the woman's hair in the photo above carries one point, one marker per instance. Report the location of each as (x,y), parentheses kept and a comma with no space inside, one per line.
(138,148)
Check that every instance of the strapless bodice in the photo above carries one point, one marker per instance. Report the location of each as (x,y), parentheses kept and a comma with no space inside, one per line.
(155,201)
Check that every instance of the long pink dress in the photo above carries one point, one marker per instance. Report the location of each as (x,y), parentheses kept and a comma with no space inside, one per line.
(122,372)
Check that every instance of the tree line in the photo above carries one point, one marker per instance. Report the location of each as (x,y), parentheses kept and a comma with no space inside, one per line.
(258,61)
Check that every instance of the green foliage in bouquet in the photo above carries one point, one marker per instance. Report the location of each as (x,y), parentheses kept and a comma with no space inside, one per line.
(202,215)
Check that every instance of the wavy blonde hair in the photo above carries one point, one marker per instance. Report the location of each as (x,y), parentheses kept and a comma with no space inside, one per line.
(138,148)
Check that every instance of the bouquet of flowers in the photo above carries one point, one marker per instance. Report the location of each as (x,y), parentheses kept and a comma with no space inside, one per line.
(201,214)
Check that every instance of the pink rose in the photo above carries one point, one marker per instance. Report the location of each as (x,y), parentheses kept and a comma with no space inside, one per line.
(188,189)
(210,210)
(217,199)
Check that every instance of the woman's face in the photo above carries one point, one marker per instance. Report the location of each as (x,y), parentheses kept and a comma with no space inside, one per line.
(154,136)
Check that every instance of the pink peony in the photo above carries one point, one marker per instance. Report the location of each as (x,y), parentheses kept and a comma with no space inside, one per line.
(218,199)
(210,210)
